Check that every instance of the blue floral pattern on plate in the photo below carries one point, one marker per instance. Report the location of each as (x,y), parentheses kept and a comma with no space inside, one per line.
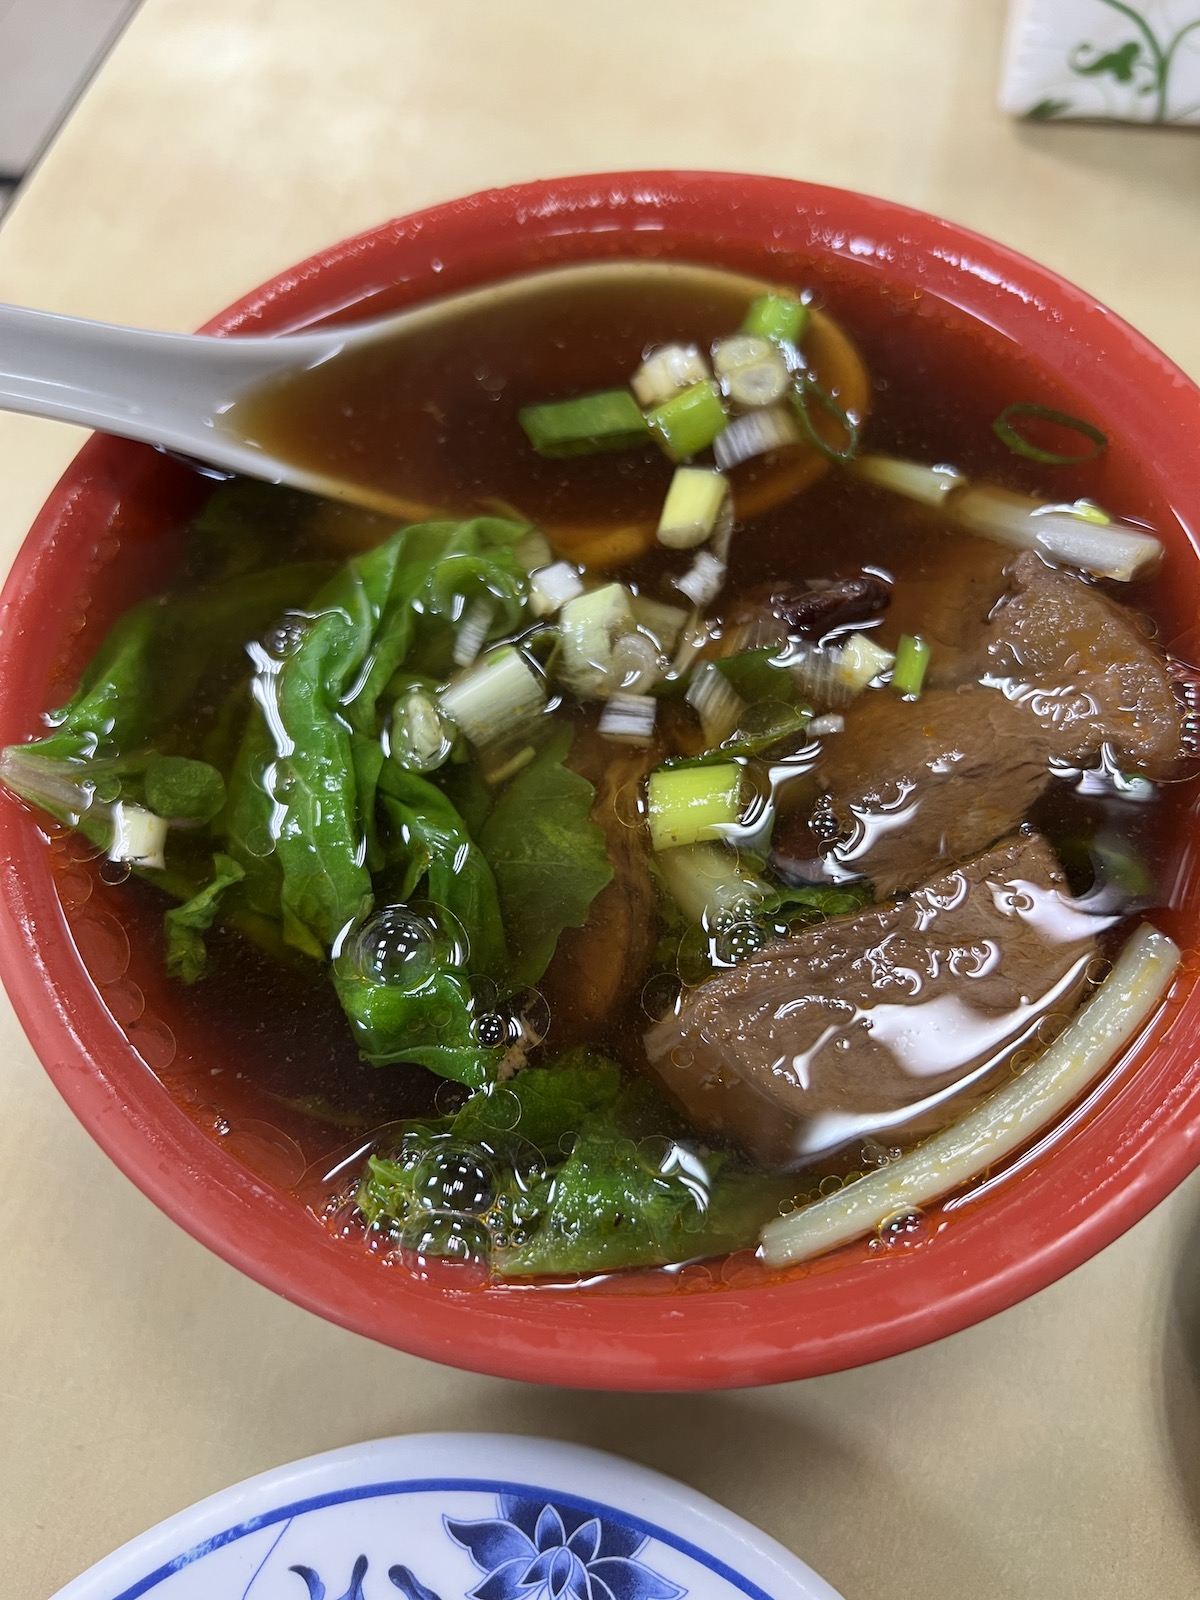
(535,1550)
(453,1517)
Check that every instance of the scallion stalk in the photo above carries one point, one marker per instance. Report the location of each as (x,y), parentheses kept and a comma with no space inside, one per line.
(663,623)
(533,550)
(417,739)
(666,371)
(754,434)
(628,719)
(912,659)
(751,370)
(927,485)
(589,626)
(1070,538)
(635,665)
(139,836)
(779,316)
(472,631)
(496,695)
(708,881)
(703,581)
(691,508)
(551,587)
(690,421)
(716,702)
(586,426)
(860,660)
(689,804)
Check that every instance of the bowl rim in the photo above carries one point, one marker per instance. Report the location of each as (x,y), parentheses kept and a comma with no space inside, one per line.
(1121,1152)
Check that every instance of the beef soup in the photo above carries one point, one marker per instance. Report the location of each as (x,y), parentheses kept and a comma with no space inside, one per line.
(709,828)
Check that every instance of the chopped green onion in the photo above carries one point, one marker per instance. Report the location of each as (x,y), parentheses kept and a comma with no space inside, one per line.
(589,626)
(498,694)
(752,371)
(138,836)
(635,665)
(860,660)
(708,881)
(628,719)
(690,421)
(472,631)
(687,805)
(551,587)
(816,672)
(666,371)
(929,486)
(533,550)
(703,581)
(912,658)
(780,316)
(754,434)
(587,426)
(691,508)
(716,702)
(808,391)
(417,738)
(1005,431)
(1108,549)
(663,623)
(504,759)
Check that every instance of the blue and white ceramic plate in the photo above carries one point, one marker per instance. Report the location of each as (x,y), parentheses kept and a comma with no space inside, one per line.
(454,1517)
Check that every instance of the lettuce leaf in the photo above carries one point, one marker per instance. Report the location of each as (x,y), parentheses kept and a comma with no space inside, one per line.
(548,857)
(295,777)
(186,925)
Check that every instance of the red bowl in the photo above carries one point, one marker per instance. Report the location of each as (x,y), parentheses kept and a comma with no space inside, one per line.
(100,1018)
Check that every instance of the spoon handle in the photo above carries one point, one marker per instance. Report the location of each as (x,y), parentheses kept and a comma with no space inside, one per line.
(163,388)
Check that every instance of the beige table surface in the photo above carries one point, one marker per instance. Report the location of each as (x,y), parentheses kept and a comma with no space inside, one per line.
(1053,1452)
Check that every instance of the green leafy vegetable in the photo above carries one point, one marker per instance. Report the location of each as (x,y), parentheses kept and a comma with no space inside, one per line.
(185,925)
(757,675)
(617,1188)
(626,1197)
(295,818)
(427,1021)
(427,839)
(548,857)
(182,789)
(552,1102)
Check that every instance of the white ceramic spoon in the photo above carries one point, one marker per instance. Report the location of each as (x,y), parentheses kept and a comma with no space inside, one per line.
(177,391)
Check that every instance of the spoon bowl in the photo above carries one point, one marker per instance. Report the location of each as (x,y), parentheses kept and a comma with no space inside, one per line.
(228,402)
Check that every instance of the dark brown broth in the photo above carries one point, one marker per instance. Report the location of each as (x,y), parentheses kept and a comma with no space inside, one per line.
(440,427)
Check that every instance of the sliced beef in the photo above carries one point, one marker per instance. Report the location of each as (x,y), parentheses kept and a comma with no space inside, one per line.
(948,603)
(909,784)
(595,966)
(854,1026)
(1084,669)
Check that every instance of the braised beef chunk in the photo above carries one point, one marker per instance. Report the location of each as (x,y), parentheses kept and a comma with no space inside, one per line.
(1082,666)
(854,1025)
(909,784)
